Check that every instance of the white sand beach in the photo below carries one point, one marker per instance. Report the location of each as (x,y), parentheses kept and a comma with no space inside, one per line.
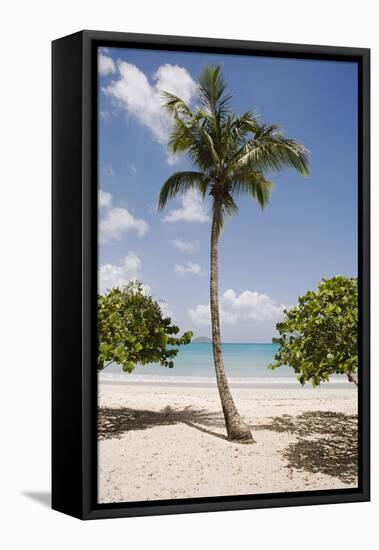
(165,442)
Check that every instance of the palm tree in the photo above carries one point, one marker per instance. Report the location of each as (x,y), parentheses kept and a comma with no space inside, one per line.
(230,154)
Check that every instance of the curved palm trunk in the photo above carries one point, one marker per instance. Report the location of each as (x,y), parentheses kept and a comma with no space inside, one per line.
(236,429)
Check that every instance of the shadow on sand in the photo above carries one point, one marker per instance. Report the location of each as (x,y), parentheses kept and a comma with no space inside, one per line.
(327,442)
(115,422)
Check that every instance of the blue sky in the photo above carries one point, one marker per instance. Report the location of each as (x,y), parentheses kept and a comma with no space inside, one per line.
(267,258)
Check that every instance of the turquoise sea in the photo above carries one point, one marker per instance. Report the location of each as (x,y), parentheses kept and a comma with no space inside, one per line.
(244,364)
(241,360)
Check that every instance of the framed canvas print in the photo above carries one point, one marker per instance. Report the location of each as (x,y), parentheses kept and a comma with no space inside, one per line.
(210,274)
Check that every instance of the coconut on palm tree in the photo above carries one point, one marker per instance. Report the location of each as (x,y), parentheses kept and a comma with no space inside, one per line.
(230,154)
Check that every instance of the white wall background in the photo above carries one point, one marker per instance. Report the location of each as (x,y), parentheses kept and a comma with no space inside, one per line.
(27,29)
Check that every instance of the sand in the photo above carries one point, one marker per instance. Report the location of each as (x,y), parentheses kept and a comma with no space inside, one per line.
(165,442)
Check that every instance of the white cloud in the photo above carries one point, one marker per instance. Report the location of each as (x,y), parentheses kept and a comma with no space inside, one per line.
(108,170)
(186,246)
(143,101)
(193,209)
(166,311)
(112,275)
(105,115)
(176,80)
(188,268)
(105,199)
(172,159)
(116,221)
(244,308)
(201,315)
(133,168)
(106,65)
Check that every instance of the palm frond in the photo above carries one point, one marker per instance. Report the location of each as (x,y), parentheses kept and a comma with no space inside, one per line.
(228,205)
(194,139)
(253,184)
(180,182)
(237,132)
(181,137)
(247,123)
(273,152)
(212,88)
(222,207)
(175,105)
(231,152)
(215,104)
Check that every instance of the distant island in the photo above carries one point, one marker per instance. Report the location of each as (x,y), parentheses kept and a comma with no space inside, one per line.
(201,340)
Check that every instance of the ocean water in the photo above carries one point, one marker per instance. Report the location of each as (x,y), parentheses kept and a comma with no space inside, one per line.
(244,364)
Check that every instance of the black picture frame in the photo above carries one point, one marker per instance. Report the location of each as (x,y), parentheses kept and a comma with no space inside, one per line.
(74,273)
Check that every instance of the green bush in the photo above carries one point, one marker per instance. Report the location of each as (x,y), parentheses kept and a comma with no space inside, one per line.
(132,329)
(319,336)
